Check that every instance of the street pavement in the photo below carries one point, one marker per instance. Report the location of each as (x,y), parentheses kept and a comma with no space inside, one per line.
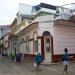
(9,67)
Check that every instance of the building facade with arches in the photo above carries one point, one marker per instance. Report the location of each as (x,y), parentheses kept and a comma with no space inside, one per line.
(49,37)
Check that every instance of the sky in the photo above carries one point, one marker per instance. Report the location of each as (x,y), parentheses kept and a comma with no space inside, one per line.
(9,8)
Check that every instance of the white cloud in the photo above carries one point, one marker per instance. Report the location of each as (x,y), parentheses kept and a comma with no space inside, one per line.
(9,8)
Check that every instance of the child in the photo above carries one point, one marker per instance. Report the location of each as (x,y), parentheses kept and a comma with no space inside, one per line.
(65,60)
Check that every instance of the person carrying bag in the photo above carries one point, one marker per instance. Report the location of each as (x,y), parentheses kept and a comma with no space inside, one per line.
(38,61)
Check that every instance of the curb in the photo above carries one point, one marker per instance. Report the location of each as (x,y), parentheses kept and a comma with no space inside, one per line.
(49,64)
(46,63)
(28,60)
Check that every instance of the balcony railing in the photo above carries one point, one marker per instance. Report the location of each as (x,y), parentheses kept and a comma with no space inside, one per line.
(64,13)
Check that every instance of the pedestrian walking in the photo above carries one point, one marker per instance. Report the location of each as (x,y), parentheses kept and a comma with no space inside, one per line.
(38,60)
(65,60)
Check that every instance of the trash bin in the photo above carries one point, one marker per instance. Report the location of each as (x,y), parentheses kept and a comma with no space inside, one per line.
(18,57)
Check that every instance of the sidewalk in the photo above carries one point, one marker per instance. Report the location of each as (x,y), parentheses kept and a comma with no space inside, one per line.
(44,63)
(47,68)
(50,69)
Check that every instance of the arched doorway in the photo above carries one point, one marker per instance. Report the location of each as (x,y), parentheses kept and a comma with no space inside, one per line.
(47,46)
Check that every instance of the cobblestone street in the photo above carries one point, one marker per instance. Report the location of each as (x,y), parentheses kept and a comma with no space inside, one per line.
(9,67)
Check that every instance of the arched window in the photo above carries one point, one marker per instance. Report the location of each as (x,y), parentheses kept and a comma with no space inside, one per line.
(35,35)
(46,33)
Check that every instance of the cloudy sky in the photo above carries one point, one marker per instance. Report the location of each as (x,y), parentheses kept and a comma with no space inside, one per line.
(9,8)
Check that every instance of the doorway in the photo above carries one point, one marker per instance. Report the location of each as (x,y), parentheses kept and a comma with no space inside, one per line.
(47,46)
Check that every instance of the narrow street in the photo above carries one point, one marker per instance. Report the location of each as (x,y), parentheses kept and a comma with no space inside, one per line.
(9,67)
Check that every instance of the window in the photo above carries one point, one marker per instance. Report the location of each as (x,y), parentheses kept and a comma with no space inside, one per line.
(35,35)
(22,40)
(36,46)
(27,44)
(47,45)
(15,43)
